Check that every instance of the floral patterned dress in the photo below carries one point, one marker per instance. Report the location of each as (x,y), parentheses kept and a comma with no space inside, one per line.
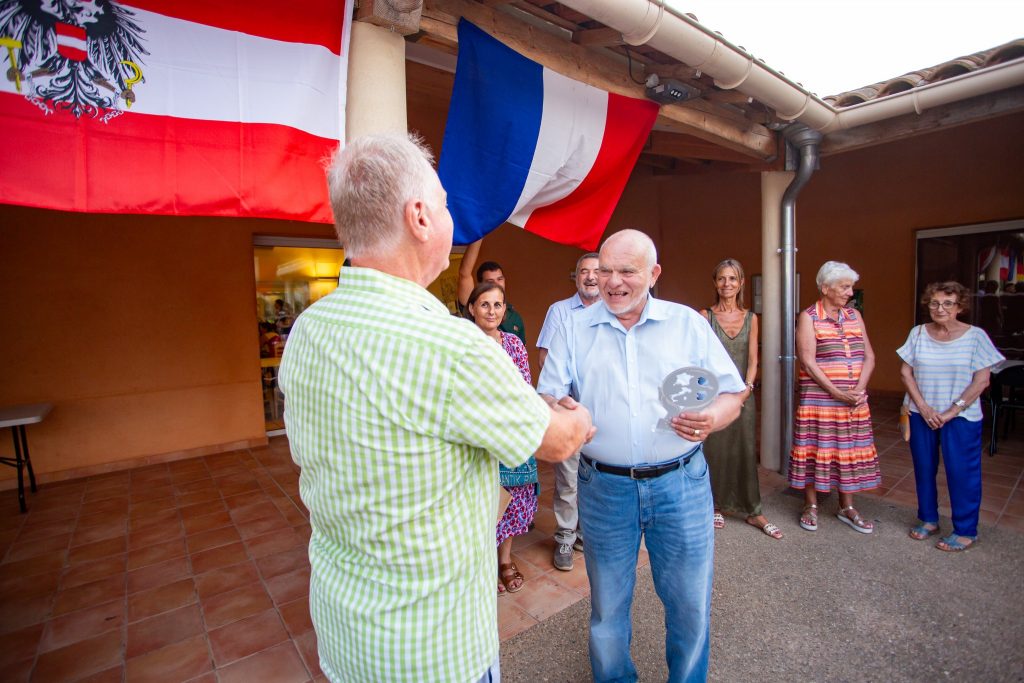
(523,506)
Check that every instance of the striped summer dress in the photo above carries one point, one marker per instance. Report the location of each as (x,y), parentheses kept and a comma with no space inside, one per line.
(833,446)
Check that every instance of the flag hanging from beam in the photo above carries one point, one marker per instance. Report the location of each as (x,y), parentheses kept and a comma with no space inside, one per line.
(529,146)
(175,107)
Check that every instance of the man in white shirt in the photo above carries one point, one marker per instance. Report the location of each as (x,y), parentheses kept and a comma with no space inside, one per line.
(567,535)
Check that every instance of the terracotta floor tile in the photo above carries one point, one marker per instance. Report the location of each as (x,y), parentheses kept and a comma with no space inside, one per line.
(512,619)
(114,674)
(87,572)
(240,603)
(94,551)
(289,586)
(161,599)
(20,644)
(141,520)
(100,532)
(144,494)
(205,495)
(306,644)
(12,585)
(54,527)
(90,594)
(226,579)
(158,574)
(264,525)
(208,522)
(156,553)
(212,539)
(296,617)
(19,672)
(35,565)
(202,509)
(157,533)
(538,554)
(22,550)
(246,499)
(178,662)
(22,611)
(163,630)
(118,504)
(280,664)
(82,624)
(576,579)
(274,542)
(154,505)
(246,637)
(223,556)
(101,518)
(542,597)
(80,659)
(263,508)
(279,563)
(199,481)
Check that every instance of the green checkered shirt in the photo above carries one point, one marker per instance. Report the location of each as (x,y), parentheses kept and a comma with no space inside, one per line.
(397,414)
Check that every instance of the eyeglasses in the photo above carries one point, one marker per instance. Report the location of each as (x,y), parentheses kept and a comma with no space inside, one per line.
(935,305)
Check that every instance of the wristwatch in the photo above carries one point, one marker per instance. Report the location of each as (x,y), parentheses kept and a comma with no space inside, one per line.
(961,404)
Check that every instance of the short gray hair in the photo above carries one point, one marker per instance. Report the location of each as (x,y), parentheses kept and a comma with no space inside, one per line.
(832,272)
(640,238)
(371,179)
(581,259)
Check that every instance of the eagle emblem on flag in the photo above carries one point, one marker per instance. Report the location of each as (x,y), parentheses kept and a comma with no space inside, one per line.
(83,57)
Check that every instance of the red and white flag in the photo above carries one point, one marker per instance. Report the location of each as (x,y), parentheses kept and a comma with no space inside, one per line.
(184,108)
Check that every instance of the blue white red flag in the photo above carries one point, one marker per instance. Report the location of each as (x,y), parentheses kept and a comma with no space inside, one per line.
(531,147)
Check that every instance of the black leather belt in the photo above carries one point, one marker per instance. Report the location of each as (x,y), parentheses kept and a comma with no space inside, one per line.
(644,472)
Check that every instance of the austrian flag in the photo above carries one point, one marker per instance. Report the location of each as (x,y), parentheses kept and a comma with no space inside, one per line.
(180,107)
(529,146)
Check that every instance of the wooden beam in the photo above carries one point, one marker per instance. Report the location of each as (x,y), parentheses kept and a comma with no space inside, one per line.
(688,147)
(973,110)
(597,37)
(699,119)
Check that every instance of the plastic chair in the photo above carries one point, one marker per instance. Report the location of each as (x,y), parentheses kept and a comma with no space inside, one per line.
(1013,379)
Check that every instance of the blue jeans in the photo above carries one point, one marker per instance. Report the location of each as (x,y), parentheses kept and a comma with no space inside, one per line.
(960,443)
(673,513)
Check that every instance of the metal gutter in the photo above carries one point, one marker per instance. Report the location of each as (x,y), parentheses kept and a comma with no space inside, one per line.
(677,35)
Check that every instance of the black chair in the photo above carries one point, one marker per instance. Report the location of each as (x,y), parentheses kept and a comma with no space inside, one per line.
(1011,378)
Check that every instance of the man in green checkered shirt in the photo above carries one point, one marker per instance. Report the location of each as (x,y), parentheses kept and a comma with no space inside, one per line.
(398,414)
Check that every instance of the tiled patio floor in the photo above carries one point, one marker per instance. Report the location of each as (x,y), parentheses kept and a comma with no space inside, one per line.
(197,570)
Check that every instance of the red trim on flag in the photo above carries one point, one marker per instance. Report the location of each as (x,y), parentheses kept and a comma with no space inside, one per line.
(314,23)
(69,30)
(581,218)
(138,163)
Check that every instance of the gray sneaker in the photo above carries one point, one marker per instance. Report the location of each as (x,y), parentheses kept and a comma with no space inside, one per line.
(563,557)
(578,543)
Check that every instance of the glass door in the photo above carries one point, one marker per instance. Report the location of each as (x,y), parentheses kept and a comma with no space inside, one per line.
(291,274)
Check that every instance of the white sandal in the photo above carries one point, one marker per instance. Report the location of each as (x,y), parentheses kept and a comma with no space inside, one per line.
(857,523)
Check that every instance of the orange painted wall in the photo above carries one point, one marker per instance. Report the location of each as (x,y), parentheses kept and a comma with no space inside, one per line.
(141,330)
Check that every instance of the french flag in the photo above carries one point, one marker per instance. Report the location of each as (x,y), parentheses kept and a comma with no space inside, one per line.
(531,147)
(232,111)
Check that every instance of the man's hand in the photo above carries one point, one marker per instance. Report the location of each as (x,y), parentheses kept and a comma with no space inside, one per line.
(693,426)
(571,426)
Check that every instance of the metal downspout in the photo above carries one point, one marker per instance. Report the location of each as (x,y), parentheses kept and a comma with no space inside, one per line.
(806,141)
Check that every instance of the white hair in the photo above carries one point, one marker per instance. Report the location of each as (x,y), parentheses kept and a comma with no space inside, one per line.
(642,240)
(834,271)
(371,179)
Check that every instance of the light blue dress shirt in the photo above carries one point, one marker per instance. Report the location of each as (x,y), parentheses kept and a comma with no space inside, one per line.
(617,373)
(553,321)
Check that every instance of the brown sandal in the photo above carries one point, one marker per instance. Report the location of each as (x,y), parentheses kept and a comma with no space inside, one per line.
(508,573)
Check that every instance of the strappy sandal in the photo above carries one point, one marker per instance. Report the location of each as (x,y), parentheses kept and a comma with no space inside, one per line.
(719,520)
(508,573)
(922,531)
(952,543)
(856,522)
(769,529)
(809,518)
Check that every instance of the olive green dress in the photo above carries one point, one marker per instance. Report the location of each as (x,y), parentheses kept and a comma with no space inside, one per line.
(730,453)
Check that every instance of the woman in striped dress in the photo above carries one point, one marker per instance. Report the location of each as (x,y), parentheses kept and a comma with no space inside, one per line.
(833,446)
(946,366)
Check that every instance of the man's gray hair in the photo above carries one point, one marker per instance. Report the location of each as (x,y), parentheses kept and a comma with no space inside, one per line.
(581,259)
(645,243)
(834,271)
(371,179)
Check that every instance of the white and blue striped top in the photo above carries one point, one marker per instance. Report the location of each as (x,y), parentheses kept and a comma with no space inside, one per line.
(943,369)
